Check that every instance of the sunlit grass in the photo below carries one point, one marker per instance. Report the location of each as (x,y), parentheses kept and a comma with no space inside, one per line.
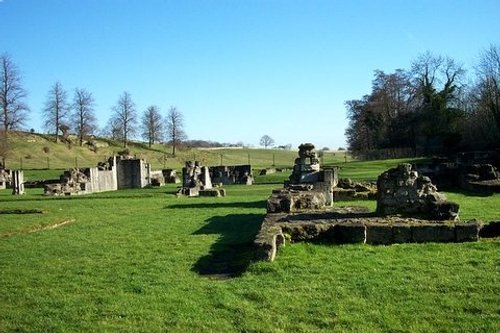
(147,261)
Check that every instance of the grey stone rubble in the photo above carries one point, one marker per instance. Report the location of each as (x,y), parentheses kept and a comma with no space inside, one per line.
(474,171)
(116,173)
(164,176)
(309,186)
(402,190)
(196,181)
(5,178)
(12,179)
(347,190)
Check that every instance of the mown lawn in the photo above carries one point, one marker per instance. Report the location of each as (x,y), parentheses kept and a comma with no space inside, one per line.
(146,261)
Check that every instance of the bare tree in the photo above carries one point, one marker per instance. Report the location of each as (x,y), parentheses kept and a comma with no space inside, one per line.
(175,128)
(489,83)
(152,125)
(84,120)
(13,109)
(5,148)
(113,129)
(266,141)
(56,109)
(125,117)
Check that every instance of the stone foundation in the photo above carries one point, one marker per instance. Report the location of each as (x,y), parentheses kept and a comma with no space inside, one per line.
(351,225)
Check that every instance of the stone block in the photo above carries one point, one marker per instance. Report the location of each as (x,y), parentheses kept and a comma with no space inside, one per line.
(401,233)
(307,200)
(18,182)
(349,233)
(268,171)
(212,192)
(379,234)
(278,203)
(439,233)
(340,194)
(305,231)
(467,232)
(490,230)
(268,241)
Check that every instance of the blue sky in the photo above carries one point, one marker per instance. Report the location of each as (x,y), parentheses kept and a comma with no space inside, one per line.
(236,69)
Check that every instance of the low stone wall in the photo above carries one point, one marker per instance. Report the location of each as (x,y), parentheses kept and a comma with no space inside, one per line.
(471,176)
(341,226)
(289,201)
(232,174)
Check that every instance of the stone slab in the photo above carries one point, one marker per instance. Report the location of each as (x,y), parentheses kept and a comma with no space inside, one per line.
(348,226)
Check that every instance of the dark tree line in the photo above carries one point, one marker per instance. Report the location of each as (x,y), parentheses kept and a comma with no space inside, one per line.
(430,108)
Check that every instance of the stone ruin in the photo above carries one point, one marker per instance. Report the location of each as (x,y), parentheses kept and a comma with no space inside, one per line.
(234,174)
(164,176)
(71,182)
(351,225)
(17,182)
(5,178)
(114,174)
(12,179)
(309,186)
(348,190)
(196,181)
(409,210)
(170,176)
(472,171)
(402,190)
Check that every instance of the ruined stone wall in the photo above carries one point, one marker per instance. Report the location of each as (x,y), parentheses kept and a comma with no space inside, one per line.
(402,190)
(195,179)
(17,182)
(234,174)
(115,174)
(101,180)
(5,178)
(309,187)
(132,173)
(170,176)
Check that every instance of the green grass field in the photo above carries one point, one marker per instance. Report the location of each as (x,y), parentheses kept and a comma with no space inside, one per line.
(147,261)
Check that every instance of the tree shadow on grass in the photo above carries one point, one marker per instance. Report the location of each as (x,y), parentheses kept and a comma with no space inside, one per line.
(250,204)
(233,252)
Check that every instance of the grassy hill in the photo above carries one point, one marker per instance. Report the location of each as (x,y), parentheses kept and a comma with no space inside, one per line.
(37,151)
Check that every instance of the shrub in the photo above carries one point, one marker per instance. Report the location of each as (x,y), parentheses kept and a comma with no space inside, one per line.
(124,152)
